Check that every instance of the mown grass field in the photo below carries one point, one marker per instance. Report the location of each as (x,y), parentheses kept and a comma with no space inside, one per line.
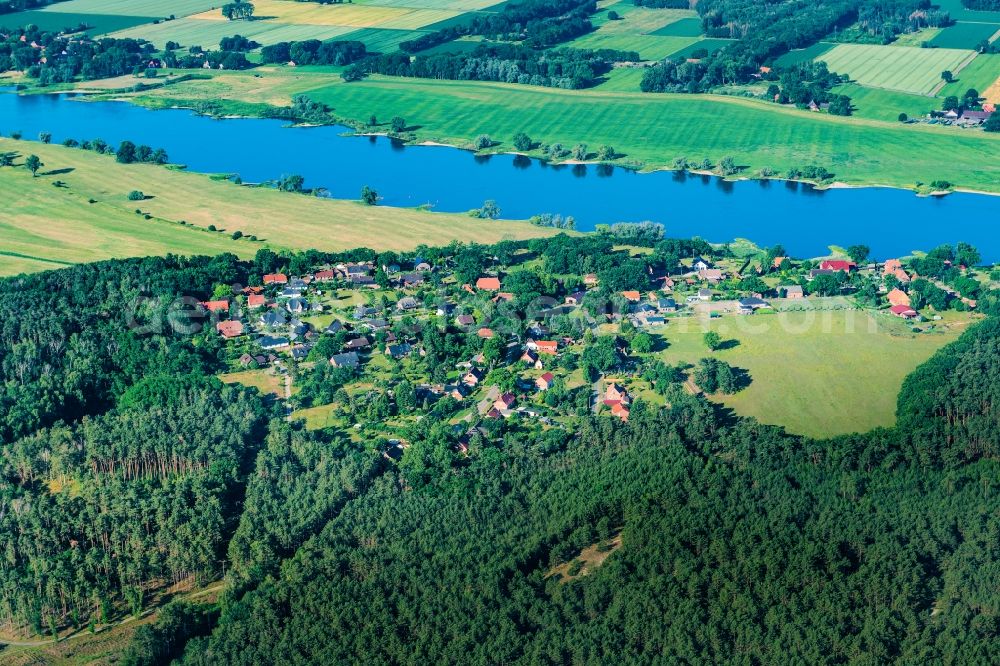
(815,373)
(903,68)
(45,226)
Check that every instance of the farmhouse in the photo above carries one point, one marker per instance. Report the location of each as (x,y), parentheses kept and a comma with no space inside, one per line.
(407,303)
(216,306)
(835,265)
(904,311)
(272,342)
(792,291)
(616,393)
(255,301)
(531,358)
(550,347)
(632,296)
(345,360)
(358,343)
(504,403)
(230,329)
(712,275)
(544,383)
(666,305)
(275,278)
(273,318)
(485,333)
(324,276)
(488,284)
(296,305)
(401,350)
(701,264)
(898,297)
(974,117)
(753,303)
(473,377)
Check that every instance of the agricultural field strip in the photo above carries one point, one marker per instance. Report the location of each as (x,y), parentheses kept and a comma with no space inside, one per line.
(897,68)
(355,16)
(208,33)
(160,8)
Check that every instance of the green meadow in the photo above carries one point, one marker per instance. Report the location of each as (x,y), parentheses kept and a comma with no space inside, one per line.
(846,366)
(77,210)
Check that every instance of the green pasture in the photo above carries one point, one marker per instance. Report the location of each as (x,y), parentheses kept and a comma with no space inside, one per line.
(711,45)
(135,7)
(649,47)
(206,33)
(958,12)
(846,366)
(881,104)
(965,35)
(685,27)
(814,52)
(59,21)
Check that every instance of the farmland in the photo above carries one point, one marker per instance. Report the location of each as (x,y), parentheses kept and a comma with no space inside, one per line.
(847,366)
(642,30)
(965,35)
(648,129)
(903,68)
(46,226)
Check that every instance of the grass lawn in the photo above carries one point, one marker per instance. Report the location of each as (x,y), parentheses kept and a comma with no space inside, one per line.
(904,68)
(815,373)
(59,225)
(265,381)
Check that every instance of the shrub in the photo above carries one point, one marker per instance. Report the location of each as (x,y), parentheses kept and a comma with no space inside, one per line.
(136,195)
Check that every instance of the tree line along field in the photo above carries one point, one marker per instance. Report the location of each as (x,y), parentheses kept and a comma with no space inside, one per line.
(45,226)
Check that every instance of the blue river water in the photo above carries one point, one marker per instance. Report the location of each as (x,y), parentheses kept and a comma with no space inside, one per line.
(806,221)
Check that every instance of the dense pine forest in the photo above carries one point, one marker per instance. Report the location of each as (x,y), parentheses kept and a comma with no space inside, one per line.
(127,466)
